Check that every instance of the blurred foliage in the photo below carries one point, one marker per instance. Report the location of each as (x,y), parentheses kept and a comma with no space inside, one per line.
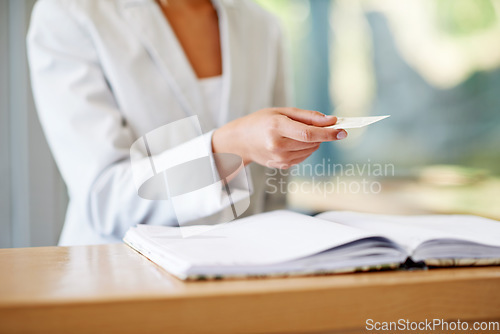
(433,64)
(464,17)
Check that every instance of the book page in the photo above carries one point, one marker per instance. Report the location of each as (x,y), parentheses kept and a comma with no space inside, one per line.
(411,231)
(262,239)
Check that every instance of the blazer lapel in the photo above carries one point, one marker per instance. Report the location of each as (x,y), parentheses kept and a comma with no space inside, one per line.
(152,28)
(233,61)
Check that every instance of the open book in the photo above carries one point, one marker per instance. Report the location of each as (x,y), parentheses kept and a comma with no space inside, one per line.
(283,243)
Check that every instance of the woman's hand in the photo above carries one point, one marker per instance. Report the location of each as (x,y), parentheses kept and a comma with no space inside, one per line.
(276,137)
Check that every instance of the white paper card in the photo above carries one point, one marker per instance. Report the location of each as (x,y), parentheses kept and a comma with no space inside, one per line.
(356,122)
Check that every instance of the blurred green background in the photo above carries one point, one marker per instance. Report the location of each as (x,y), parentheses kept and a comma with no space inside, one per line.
(434,66)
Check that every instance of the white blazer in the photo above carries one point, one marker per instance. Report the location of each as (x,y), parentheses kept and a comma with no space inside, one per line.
(106,72)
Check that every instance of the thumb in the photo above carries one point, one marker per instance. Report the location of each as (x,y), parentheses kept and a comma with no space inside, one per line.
(309,117)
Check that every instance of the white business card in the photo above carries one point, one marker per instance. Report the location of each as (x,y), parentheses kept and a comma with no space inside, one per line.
(356,122)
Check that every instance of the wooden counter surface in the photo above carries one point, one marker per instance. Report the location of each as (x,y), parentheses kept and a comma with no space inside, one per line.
(112,289)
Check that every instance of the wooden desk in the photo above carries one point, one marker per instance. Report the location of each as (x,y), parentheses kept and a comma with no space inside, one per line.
(112,289)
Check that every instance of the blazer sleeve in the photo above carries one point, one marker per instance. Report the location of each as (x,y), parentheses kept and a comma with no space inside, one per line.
(85,129)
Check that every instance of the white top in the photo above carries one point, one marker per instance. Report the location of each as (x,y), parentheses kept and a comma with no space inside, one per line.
(211,91)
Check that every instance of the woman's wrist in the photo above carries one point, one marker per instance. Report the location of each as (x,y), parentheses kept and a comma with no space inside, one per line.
(227,139)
